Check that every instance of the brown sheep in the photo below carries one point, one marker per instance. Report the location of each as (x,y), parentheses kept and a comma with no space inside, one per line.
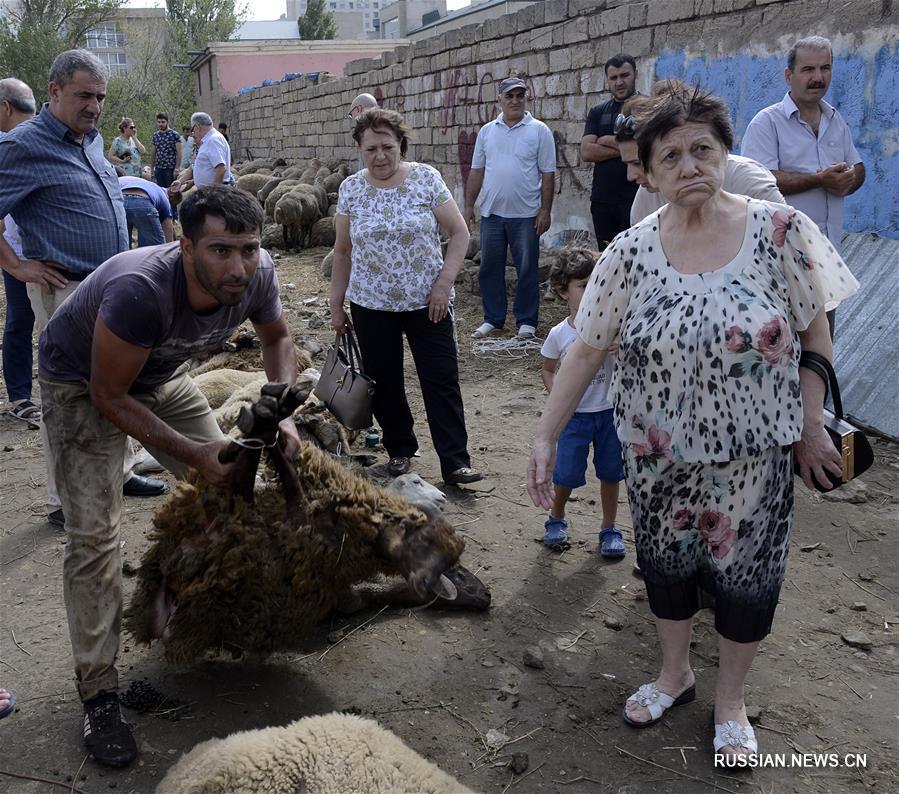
(263,193)
(318,192)
(274,197)
(251,183)
(250,167)
(296,211)
(322,172)
(220,572)
(323,232)
(331,183)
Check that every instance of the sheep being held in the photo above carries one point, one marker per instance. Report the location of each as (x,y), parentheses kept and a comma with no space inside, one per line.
(221,573)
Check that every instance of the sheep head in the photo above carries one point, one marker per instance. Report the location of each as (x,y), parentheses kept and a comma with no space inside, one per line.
(423,551)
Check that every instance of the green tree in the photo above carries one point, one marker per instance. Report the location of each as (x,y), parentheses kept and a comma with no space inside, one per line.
(317,22)
(34,32)
(193,24)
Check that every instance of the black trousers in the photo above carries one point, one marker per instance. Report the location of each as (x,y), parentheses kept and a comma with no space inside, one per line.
(433,346)
(609,220)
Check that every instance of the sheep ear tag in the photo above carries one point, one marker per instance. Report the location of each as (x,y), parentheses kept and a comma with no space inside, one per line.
(446,589)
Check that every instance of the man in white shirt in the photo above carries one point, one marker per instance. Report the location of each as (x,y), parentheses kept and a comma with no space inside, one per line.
(515,163)
(805,141)
(212,163)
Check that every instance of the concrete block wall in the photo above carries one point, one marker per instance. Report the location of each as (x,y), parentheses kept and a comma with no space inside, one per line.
(446,85)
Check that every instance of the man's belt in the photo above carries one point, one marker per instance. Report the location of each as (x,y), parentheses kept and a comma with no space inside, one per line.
(70,275)
(135,191)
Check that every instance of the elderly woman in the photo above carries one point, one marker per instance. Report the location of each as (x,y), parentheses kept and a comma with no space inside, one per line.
(710,300)
(125,150)
(388,263)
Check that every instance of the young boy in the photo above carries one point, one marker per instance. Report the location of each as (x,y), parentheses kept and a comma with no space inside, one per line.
(592,421)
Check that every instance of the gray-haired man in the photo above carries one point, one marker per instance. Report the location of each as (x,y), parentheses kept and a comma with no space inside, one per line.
(212,164)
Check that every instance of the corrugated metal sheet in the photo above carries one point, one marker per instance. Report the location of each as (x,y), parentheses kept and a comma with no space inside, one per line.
(866,340)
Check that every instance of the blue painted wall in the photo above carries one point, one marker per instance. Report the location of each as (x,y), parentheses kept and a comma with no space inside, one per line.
(866,92)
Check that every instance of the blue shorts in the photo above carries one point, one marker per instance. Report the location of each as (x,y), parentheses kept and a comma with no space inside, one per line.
(574,446)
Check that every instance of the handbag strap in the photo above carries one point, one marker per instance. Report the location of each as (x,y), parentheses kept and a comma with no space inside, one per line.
(824,370)
(347,341)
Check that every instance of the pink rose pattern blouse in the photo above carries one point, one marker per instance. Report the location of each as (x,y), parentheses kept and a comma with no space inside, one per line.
(707,405)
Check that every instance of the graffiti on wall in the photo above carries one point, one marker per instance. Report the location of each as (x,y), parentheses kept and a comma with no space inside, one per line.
(865,89)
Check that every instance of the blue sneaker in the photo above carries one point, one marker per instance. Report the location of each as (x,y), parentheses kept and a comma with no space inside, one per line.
(610,543)
(556,532)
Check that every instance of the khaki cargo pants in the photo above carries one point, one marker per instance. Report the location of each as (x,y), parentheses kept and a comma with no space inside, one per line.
(87,453)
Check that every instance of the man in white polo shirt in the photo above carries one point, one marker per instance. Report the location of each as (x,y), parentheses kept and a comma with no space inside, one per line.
(515,163)
(806,143)
(212,164)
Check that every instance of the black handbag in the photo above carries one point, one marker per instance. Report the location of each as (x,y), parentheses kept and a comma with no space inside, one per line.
(343,386)
(850,442)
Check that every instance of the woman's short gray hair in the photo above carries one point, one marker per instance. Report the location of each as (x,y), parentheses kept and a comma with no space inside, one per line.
(64,66)
(816,43)
(203,119)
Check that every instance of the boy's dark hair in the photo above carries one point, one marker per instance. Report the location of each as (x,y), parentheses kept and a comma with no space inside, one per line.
(571,262)
(240,211)
(618,61)
(161,115)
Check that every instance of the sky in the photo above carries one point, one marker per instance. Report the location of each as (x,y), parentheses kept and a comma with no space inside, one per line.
(272,9)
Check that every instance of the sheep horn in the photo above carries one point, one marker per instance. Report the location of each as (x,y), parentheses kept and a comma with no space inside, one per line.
(446,589)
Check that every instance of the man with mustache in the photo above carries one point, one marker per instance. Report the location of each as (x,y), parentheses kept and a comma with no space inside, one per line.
(806,143)
(110,366)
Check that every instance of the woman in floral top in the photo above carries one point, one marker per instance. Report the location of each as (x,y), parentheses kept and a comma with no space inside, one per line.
(388,263)
(710,301)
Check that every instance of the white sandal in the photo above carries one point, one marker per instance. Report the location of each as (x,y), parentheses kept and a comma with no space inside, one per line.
(732,734)
(483,330)
(656,703)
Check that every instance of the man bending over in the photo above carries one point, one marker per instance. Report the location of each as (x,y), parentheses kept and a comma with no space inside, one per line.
(109,368)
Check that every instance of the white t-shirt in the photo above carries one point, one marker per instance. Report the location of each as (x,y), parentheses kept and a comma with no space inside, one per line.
(742,176)
(596,397)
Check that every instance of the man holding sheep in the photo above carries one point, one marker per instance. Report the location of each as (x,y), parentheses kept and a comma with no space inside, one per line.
(109,367)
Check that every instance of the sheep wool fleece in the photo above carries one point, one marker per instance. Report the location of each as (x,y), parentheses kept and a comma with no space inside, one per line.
(328,754)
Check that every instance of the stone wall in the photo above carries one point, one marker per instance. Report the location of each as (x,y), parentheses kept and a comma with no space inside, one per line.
(446,85)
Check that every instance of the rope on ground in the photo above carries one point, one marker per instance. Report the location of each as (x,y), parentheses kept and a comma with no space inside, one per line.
(515,347)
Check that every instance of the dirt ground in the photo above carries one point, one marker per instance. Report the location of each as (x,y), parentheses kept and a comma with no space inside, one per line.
(449,683)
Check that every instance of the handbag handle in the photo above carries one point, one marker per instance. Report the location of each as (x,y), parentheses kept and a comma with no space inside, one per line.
(347,342)
(824,370)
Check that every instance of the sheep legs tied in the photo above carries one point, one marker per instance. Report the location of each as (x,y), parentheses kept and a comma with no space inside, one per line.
(259,425)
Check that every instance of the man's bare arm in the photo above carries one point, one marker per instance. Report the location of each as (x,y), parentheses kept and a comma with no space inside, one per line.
(472,191)
(115,364)
(598,149)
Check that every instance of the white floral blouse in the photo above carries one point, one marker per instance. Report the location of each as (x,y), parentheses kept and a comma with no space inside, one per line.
(708,363)
(396,253)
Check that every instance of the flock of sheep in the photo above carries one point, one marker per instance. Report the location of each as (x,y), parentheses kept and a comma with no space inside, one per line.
(301,200)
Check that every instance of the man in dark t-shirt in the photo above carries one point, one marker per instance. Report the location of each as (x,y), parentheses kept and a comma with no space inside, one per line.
(109,367)
(612,196)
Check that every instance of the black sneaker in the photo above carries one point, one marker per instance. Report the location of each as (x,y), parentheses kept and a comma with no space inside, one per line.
(106,736)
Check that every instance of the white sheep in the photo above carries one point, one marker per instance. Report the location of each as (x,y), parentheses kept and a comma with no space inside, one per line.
(328,754)
(419,492)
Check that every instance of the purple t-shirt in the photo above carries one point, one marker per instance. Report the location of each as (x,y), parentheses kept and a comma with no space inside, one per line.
(142,297)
